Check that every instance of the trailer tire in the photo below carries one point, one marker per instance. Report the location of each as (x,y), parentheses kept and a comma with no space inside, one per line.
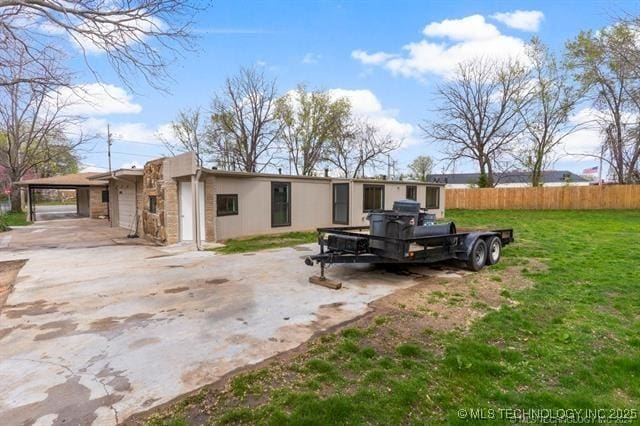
(494,250)
(478,255)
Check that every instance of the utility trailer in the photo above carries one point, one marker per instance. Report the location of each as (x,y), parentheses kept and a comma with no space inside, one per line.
(402,236)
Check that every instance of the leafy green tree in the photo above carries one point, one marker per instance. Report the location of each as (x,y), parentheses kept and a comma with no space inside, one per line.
(421,167)
(546,112)
(607,71)
(310,121)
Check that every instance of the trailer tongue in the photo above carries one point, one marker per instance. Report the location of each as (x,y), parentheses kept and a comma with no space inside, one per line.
(406,235)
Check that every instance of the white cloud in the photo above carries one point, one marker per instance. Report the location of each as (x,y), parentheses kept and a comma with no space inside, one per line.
(365,104)
(133,132)
(525,20)
(311,58)
(472,27)
(371,58)
(91,168)
(465,39)
(97,99)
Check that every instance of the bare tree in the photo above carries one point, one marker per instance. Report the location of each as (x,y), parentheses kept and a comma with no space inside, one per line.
(136,35)
(190,133)
(421,167)
(361,145)
(603,66)
(244,129)
(310,121)
(546,113)
(478,117)
(35,125)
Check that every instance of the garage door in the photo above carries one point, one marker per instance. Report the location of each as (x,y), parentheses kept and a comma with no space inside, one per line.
(126,205)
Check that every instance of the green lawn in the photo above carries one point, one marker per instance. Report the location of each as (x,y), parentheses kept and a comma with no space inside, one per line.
(570,340)
(13,219)
(263,242)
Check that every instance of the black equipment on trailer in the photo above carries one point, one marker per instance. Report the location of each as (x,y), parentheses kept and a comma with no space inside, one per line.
(406,235)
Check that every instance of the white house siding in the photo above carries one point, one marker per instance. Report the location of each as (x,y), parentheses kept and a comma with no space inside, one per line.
(310,205)
(392,192)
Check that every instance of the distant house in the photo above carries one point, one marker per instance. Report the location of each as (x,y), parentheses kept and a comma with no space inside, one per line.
(510,179)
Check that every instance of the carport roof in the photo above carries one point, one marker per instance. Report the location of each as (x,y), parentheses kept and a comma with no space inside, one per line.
(75,179)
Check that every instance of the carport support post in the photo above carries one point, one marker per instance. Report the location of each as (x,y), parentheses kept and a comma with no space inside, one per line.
(30,200)
(194,209)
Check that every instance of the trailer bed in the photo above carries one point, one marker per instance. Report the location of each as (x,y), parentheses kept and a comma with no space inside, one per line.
(354,244)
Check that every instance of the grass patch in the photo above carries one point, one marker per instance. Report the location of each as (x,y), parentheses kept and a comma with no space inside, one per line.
(9,219)
(264,242)
(569,341)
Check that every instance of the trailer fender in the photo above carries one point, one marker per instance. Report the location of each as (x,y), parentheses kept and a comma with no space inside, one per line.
(469,240)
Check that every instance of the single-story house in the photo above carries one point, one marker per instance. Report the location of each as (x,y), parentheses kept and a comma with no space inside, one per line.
(172,200)
(510,179)
(92,195)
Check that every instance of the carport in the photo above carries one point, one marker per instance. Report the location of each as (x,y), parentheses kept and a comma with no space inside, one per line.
(92,196)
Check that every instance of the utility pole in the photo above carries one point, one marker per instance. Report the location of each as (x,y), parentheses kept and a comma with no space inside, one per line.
(109,145)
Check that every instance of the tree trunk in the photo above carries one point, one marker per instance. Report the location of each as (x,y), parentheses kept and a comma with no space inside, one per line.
(490,180)
(16,205)
(536,172)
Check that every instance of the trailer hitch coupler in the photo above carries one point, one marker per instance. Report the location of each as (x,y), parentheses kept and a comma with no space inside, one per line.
(308,261)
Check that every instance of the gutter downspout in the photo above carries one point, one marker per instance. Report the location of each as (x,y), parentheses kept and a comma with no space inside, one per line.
(195,190)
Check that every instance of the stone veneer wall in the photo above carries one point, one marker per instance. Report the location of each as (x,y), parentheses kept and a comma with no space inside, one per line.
(210,208)
(96,207)
(153,224)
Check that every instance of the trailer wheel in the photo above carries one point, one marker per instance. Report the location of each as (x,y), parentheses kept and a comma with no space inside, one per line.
(478,255)
(494,251)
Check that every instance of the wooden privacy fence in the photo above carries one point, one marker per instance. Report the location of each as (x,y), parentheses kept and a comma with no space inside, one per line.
(546,197)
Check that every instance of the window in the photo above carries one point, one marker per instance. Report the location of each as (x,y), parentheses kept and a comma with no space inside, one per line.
(372,197)
(433,197)
(153,203)
(105,196)
(341,203)
(226,204)
(412,192)
(280,204)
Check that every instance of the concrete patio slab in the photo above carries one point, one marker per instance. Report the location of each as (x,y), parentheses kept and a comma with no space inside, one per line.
(95,331)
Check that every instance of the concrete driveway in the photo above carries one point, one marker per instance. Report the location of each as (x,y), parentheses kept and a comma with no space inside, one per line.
(56,211)
(99,327)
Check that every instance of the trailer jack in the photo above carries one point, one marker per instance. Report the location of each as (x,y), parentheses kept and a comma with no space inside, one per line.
(322,280)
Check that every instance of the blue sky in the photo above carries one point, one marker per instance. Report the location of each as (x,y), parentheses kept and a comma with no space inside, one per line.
(356,46)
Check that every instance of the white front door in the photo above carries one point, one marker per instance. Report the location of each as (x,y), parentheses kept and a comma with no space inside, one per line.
(126,205)
(186,211)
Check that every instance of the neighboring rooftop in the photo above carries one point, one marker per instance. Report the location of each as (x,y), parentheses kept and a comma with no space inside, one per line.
(75,179)
(116,173)
(548,176)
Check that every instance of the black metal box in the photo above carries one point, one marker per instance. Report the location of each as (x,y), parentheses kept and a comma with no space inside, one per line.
(348,244)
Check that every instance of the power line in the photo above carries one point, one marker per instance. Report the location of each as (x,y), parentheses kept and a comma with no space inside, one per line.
(126,153)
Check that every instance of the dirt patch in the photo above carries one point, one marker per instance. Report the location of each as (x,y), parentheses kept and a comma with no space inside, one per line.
(8,273)
(143,342)
(176,290)
(58,329)
(217,281)
(39,307)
